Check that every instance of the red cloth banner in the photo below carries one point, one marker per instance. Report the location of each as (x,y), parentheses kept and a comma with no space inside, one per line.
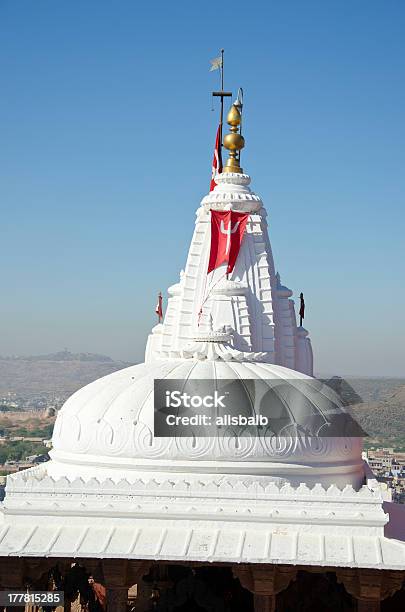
(238,226)
(159,307)
(227,230)
(217,160)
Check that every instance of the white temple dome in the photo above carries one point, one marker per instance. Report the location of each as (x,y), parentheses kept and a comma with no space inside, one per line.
(109,424)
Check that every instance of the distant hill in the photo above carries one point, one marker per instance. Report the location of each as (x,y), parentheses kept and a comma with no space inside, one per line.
(377,404)
(398,397)
(344,390)
(58,374)
(64,356)
(384,420)
(367,388)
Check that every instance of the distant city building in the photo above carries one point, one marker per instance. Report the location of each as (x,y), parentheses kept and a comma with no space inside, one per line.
(389,468)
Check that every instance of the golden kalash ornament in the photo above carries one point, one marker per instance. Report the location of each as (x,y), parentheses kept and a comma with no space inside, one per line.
(234,141)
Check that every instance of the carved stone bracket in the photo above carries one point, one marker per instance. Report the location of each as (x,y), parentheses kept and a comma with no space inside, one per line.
(264,581)
(36,567)
(119,575)
(370,586)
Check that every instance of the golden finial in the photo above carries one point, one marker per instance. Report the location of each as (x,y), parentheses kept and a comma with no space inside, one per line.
(234,141)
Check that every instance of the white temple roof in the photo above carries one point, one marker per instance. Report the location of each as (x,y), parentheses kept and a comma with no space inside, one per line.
(212,520)
(219,542)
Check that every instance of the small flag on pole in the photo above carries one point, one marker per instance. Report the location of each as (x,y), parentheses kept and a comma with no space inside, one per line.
(217,159)
(159,307)
(302,308)
(216,63)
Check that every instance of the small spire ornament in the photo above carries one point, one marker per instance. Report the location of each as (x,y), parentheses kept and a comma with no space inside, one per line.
(234,141)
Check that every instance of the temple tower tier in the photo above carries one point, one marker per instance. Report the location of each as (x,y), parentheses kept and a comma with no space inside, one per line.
(250,303)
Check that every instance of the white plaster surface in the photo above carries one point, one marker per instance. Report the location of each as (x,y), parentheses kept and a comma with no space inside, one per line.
(112,489)
(109,424)
(215,519)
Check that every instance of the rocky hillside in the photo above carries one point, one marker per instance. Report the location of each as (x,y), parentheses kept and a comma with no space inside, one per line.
(57,374)
(384,420)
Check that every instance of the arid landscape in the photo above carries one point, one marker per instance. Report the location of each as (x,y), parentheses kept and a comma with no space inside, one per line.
(56,374)
(32,389)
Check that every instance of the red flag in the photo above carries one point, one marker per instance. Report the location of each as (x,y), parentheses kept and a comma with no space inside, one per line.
(238,226)
(217,160)
(159,308)
(227,229)
(220,241)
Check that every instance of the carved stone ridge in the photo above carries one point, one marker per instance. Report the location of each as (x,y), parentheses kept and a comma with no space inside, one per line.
(40,482)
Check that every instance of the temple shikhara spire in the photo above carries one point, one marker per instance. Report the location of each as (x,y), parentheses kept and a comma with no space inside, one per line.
(230,278)
(255,499)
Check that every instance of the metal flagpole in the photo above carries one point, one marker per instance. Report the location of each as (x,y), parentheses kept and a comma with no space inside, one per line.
(240,107)
(222,94)
(222,97)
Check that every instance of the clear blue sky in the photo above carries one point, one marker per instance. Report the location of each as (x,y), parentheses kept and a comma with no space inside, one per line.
(106,141)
